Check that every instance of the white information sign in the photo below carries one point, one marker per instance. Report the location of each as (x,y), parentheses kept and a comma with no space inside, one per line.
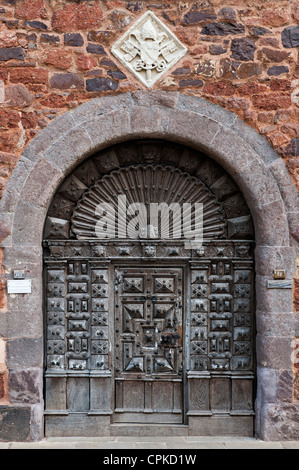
(19,286)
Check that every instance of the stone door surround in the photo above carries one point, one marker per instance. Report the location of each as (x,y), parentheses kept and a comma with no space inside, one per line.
(250,160)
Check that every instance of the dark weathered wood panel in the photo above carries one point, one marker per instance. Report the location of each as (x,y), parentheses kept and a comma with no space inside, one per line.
(220,394)
(77,424)
(133,395)
(224,425)
(149,418)
(55,393)
(100,394)
(78,393)
(199,394)
(242,394)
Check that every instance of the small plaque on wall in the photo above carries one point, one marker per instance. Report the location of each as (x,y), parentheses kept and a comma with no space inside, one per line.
(279,274)
(19,286)
(279,284)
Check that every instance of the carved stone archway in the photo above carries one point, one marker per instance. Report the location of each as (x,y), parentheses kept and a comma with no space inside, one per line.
(251,162)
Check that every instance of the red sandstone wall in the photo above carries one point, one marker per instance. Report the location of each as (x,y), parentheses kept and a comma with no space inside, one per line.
(242,55)
(239,57)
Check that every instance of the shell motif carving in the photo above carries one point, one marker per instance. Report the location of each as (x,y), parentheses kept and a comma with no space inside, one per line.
(147,184)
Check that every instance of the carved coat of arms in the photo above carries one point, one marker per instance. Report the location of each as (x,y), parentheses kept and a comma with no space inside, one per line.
(148,49)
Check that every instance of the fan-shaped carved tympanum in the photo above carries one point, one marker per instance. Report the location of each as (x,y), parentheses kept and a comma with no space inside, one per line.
(148,172)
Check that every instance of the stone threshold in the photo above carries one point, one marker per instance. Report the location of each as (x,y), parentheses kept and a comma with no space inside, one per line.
(171,442)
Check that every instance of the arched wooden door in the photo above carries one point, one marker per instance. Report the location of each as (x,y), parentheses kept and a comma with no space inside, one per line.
(143,329)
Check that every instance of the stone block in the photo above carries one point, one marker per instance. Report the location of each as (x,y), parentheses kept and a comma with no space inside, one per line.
(277,70)
(285,386)
(206,108)
(6,222)
(29,75)
(24,353)
(230,156)
(223,29)
(280,422)
(150,121)
(217,49)
(108,128)
(293,218)
(274,352)
(77,424)
(73,39)
(95,49)
(26,216)
(117,74)
(271,101)
(261,146)
(275,324)
(181,71)
(46,137)
(49,38)
(242,49)
(18,95)
(267,392)
(37,421)
(189,82)
(15,423)
(292,149)
(272,55)
(41,183)
(228,13)
(272,300)
(290,36)
(29,258)
(198,16)
(221,425)
(269,258)
(2,386)
(156,98)
(193,129)
(66,81)
(25,386)
(8,53)
(70,149)
(286,186)
(100,84)
(100,106)
(73,17)
(60,59)
(24,310)
(271,223)
(102,36)
(39,25)
(25,316)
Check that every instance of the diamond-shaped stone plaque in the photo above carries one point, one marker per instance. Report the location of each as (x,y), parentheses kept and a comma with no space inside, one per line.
(148,49)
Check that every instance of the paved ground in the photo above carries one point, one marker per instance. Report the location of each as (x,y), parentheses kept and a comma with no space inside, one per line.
(183,443)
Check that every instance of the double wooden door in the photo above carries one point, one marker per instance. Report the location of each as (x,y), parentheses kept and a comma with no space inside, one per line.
(149,345)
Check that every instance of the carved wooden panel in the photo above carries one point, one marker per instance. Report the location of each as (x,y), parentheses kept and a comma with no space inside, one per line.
(77,316)
(221,316)
(149,340)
